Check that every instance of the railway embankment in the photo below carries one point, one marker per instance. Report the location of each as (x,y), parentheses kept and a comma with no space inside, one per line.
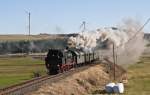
(83,82)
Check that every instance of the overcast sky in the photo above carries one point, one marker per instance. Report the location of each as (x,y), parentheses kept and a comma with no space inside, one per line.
(66,16)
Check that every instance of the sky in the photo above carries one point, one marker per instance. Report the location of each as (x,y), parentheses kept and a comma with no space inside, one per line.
(66,16)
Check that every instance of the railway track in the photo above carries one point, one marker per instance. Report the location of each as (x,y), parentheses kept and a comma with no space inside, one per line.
(22,88)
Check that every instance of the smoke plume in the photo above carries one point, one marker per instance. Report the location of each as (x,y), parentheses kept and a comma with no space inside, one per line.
(135,45)
(100,38)
(126,38)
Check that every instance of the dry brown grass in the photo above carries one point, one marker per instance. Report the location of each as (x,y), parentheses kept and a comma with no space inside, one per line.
(80,83)
(27,37)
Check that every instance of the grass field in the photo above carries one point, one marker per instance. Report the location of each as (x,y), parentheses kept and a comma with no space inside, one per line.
(15,70)
(139,77)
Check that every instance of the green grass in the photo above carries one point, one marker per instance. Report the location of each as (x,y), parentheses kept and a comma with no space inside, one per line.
(139,77)
(16,70)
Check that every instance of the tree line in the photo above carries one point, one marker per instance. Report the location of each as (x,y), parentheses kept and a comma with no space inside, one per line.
(35,46)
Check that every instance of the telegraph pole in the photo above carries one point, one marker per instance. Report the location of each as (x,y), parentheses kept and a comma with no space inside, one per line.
(83,25)
(29,25)
(114,58)
(29,22)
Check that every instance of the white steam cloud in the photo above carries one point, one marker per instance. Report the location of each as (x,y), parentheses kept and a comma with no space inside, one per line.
(127,39)
(91,40)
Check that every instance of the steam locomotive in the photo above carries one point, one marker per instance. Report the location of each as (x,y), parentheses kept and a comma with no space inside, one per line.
(58,61)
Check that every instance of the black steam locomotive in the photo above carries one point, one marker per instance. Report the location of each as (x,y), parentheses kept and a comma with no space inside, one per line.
(58,61)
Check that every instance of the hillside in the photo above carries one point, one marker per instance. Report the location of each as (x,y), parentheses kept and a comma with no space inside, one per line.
(18,37)
(86,81)
(27,37)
